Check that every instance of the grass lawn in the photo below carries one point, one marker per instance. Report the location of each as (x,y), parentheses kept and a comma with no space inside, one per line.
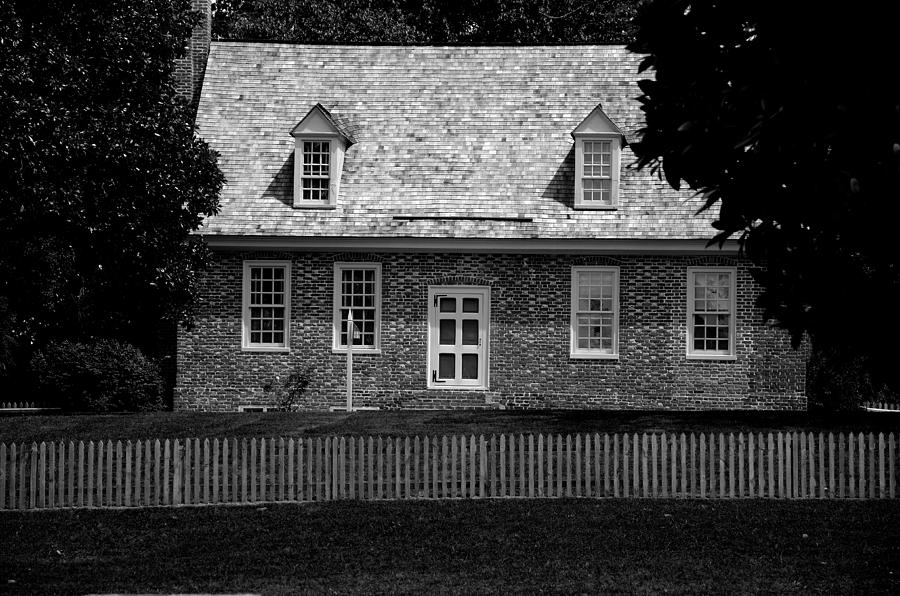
(20,428)
(459,547)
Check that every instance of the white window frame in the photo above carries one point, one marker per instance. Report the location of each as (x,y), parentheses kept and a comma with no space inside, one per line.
(324,152)
(335,167)
(484,292)
(246,345)
(730,354)
(339,268)
(615,141)
(588,353)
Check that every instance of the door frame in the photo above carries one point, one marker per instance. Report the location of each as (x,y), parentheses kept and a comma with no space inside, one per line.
(485,294)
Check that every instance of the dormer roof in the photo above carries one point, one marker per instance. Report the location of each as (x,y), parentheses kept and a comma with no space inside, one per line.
(597,122)
(318,120)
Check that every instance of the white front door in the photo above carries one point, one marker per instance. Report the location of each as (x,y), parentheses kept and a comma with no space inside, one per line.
(458,318)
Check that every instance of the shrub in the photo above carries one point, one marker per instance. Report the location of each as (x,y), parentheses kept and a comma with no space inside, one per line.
(839,380)
(102,375)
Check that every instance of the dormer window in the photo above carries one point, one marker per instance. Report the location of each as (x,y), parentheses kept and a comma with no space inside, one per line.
(319,146)
(596,180)
(316,170)
(598,145)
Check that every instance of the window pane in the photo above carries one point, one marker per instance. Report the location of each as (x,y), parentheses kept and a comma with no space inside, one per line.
(469,333)
(470,366)
(584,280)
(470,305)
(447,304)
(446,366)
(597,190)
(447,332)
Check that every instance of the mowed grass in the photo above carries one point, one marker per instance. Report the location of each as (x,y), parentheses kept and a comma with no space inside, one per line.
(76,427)
(511,546)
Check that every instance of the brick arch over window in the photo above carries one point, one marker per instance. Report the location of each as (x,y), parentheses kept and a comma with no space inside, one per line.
(598,260)
(356,256)
(713,261)
(459,280)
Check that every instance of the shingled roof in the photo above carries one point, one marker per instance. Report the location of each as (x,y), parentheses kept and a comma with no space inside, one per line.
(451,142)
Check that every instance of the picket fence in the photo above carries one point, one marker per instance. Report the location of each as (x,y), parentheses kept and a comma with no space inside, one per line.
(882,405)
(257,470)
(25,406)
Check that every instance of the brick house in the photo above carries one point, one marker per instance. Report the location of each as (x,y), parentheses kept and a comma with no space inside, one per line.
(473,208)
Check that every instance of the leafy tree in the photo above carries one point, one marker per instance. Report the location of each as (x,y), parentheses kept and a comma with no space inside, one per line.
(335,21)
(101,175)
(789,123)
(427,21)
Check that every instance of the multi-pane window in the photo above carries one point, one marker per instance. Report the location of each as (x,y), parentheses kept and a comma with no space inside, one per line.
(596,182)
(711,312)
(357,290)
(595,304)
(266,304)
(316,170)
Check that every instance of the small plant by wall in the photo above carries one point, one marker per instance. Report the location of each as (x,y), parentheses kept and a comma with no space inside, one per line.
(286,392)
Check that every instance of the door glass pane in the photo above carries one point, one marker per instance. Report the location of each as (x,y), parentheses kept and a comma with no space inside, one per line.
(469,333)
(470,366)
(448,304)
(446,366)
(448,332)
(470,304)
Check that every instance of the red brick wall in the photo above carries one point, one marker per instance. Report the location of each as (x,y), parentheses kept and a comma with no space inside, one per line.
(529,339)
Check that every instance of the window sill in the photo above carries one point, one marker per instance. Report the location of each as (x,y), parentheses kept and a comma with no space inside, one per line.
(584,207)
(723,357)
(587,356)
(358,352)
(457,387)
(265,349)
(310,205)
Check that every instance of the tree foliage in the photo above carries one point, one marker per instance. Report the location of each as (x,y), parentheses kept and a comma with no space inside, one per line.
(427,21)
(101,175)
(789,123)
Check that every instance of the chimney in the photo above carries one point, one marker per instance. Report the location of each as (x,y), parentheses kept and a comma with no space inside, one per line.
(189,70)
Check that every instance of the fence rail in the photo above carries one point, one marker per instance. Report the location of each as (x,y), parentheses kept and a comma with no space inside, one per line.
(255,470)
(25,406)
(882,405)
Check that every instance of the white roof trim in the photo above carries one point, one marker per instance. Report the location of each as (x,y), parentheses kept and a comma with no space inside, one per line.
(597,122)
(471,245)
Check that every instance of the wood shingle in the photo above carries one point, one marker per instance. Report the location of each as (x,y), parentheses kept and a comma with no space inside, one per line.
(451,142)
